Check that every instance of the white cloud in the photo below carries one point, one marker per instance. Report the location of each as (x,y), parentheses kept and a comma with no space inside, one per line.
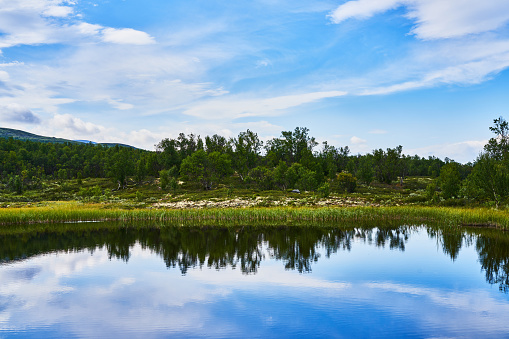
(263,63)
(357,141)
(232,108)
(88,29)
(58,11)
(456,43)
(434,19)
(4,76)
(463,152)
(465,62)
(362,9)
(67,121)
(127,36)
(120,105)
(19,114)
(358,145)
(30,22)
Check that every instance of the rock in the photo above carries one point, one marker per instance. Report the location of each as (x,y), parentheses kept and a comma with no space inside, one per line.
(296,191)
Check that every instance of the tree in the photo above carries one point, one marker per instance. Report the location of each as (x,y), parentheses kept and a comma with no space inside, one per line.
(489,178)
(121,166)
(306,179)
(262,177)
(217,143)
(206,169)
(220,166)
(498,147)
(449,180)
(193,168)
(247,151)
(168,153)
(387,164)
(280,176)
(168,178)
(141,170)
(292,146)
(365,169)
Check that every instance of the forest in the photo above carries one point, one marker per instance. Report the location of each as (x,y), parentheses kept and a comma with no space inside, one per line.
(292,161)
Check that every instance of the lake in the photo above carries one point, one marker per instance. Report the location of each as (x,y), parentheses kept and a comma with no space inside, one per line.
(152,282)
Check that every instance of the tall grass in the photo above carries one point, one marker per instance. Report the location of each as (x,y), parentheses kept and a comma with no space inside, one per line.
(375,216)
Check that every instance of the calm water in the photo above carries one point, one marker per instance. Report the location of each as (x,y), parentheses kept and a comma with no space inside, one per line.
(255,282)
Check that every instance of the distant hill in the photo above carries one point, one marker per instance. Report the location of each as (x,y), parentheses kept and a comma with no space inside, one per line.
(22,135)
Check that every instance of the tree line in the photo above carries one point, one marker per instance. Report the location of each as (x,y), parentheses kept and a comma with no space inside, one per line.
(294,160)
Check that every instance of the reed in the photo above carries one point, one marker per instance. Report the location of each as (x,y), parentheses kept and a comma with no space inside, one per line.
(375,216)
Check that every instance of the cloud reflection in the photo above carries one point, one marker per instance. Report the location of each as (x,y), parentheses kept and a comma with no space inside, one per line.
(87,294)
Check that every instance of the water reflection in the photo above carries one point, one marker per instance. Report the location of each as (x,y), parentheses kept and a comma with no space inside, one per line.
(365,282)
(246,247)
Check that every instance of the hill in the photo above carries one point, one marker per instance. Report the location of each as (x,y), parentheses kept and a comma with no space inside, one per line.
(22,135)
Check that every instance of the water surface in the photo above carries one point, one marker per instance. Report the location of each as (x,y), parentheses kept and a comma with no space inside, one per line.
(254,282)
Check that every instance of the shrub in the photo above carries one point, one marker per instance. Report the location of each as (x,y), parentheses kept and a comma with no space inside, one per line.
(346,182)
(324,190)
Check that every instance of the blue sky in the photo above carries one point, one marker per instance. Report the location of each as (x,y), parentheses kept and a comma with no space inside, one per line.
(430,75)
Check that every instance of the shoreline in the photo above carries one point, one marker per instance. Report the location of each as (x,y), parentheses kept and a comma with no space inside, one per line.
(72,213)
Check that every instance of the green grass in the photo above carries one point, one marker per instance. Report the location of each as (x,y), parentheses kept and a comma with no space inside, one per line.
(373,216)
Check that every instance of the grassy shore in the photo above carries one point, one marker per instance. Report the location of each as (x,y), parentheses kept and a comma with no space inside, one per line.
(374,216)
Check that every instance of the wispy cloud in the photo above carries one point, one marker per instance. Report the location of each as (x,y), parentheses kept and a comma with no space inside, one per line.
(434,19)
(232,108)
(457,43)
(378,131)
(28,22)
(362,9)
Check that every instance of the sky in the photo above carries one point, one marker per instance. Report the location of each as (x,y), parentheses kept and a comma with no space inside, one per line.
(430,75)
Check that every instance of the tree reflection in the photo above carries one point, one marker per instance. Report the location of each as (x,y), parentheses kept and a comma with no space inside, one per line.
(451,240)
(494,258)
(246,247)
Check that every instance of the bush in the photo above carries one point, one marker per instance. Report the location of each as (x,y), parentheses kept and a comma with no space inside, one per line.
(432,192)
(139,196)
(346,182)
(95,191)
(324,190)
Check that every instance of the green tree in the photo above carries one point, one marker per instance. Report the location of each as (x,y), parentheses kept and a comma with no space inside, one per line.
(387,164)
(206,169)
(194,168)
(140,170)
(247,151)
(262,176)
(120,166)
(489,179)
(365,169)
(306,179)
(450,180)
(498,147)
(280,176)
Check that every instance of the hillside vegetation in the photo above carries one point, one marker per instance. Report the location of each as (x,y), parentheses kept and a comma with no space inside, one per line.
(289,170)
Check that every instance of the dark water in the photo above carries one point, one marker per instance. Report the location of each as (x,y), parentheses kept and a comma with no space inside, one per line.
(255,282)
